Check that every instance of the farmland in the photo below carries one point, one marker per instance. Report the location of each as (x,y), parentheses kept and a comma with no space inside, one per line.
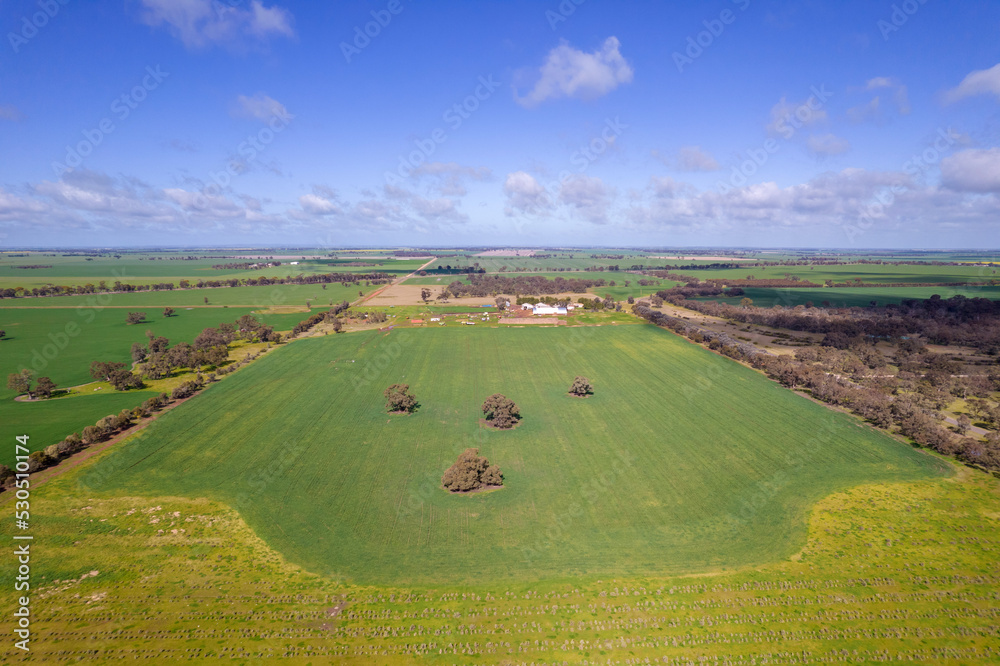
(681,462)
(898,571)
(61,343)
(690,510)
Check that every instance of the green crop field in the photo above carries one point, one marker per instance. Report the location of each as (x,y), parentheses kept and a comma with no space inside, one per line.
(853,296)
(260,297)
(879,273)
(682,461)
(61,343)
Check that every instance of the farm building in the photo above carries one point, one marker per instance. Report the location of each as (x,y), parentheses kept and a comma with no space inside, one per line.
(543,309)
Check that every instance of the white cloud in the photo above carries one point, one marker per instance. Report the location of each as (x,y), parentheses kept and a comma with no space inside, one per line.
(979,82)
(972,171)
(317,205)
(693,158)
(525,194)
(873,109)
(199,23)
(787,117)
(260,107)
(449,177)
(589,196)
(827,144)
(568,72)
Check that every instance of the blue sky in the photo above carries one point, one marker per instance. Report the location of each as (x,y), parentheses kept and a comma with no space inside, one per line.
(727,123)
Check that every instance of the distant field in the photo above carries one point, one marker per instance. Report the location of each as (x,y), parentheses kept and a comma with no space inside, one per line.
(850,297)
(262,297)
(682,461)
(867,272)
(132,269)
(103,336)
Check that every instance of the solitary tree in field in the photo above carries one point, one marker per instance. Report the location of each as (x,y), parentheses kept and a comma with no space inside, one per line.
(45,387)
(398,399)
(471,472)
(581,387)
(135,318)
(20,381)
(168,312)
(425,294)
(3,334)
(501,412)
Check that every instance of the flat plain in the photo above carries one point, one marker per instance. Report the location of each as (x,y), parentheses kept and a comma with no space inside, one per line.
(681,461)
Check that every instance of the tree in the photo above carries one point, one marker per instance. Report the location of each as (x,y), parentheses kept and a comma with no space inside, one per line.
(964,422)
(337,325)
(45,387)
(425,294)
(139,352)
(168,312)
(581,387)
(102,370)
(398,399)
(135,318)
(471,472)
(123,380)
(3,334)
(501,303)
(746,302)
(206,300)
(501,411)
(20,381)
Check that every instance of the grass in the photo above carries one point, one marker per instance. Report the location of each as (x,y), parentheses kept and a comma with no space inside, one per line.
(888,572)
(682,461)
(37,338)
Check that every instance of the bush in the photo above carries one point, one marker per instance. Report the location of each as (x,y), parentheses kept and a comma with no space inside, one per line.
(471,472)
(501,411)
(581,387)
(398,399)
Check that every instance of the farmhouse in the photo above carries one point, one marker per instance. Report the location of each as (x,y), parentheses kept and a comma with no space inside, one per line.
(543,309)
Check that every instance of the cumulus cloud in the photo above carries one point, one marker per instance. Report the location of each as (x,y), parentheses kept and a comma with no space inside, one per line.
(978,82)
(200,23)
(787,117)
(830,198)
(588,196)
(899,92)
(314,204)
(693,158)
(260,107)
(827,144)
(972,171)
(569,72)
(449,177)
(525,195)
